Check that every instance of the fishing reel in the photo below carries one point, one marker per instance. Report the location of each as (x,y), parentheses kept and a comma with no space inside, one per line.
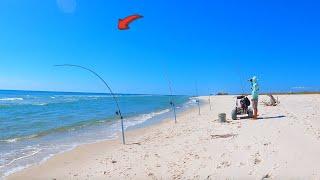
(118,113)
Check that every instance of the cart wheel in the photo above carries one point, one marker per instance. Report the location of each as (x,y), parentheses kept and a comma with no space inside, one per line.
(234,114)
(250,113)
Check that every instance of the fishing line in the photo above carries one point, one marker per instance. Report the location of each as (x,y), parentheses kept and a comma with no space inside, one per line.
(240,74)
(118,112)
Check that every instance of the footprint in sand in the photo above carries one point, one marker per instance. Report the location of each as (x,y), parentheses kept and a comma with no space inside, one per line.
(267,144)
(257,159)
(224,164)
(196,156)
(157,155)
(242,164)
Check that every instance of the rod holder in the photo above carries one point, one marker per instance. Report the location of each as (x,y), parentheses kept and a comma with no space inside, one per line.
(198,102)
(118,113)
(174,111)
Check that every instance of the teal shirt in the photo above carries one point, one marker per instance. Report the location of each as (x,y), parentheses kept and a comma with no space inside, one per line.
(255,90)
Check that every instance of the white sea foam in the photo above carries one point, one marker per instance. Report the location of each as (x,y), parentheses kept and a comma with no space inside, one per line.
(16,169)
(143,118)
(23,157)
(19,138)
(10,140)
(41,104)
(11,99)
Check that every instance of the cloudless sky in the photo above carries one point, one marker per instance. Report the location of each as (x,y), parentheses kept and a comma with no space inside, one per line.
(217,45)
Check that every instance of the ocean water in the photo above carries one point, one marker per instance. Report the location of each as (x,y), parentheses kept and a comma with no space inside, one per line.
(37,125)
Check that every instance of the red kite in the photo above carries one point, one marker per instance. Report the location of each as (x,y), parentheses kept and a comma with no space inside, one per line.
(123,24)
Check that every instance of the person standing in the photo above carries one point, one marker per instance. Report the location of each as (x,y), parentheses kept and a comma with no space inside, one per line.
(255,96)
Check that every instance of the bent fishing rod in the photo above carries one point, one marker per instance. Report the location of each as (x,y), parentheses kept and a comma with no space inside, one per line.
(172,100)
(118,112)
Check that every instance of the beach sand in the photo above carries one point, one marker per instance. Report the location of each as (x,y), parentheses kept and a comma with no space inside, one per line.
(284,144)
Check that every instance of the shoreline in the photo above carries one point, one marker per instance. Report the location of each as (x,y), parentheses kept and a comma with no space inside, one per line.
(134,130)
(282,144)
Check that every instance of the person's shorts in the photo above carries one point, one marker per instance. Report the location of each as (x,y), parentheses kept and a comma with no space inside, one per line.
(254,103)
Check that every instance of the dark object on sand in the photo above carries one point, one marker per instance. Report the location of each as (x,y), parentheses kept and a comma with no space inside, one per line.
(242,107)
(223,136)
(222,117)
(267,176)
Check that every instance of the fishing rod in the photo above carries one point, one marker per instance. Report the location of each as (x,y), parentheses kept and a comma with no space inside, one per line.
(118,112)
(210,101)
(197,100)
(172,100)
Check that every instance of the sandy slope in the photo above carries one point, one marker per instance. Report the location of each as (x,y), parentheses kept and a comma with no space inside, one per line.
(284,144)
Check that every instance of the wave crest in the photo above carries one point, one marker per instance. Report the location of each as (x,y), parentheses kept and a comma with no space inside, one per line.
(11,99)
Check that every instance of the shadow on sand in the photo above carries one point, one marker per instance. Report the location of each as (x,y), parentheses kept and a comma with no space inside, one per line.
(272,117)
(268,117)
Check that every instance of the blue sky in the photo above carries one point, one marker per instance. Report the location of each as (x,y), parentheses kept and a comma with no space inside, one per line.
(215,44)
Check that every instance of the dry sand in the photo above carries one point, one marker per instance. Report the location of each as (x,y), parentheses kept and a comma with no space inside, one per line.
(284,144)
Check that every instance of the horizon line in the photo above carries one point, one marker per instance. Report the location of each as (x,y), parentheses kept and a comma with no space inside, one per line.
(82,92)
(210,94)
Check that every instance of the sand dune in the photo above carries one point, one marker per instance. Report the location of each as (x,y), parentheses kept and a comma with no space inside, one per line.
(284,144)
